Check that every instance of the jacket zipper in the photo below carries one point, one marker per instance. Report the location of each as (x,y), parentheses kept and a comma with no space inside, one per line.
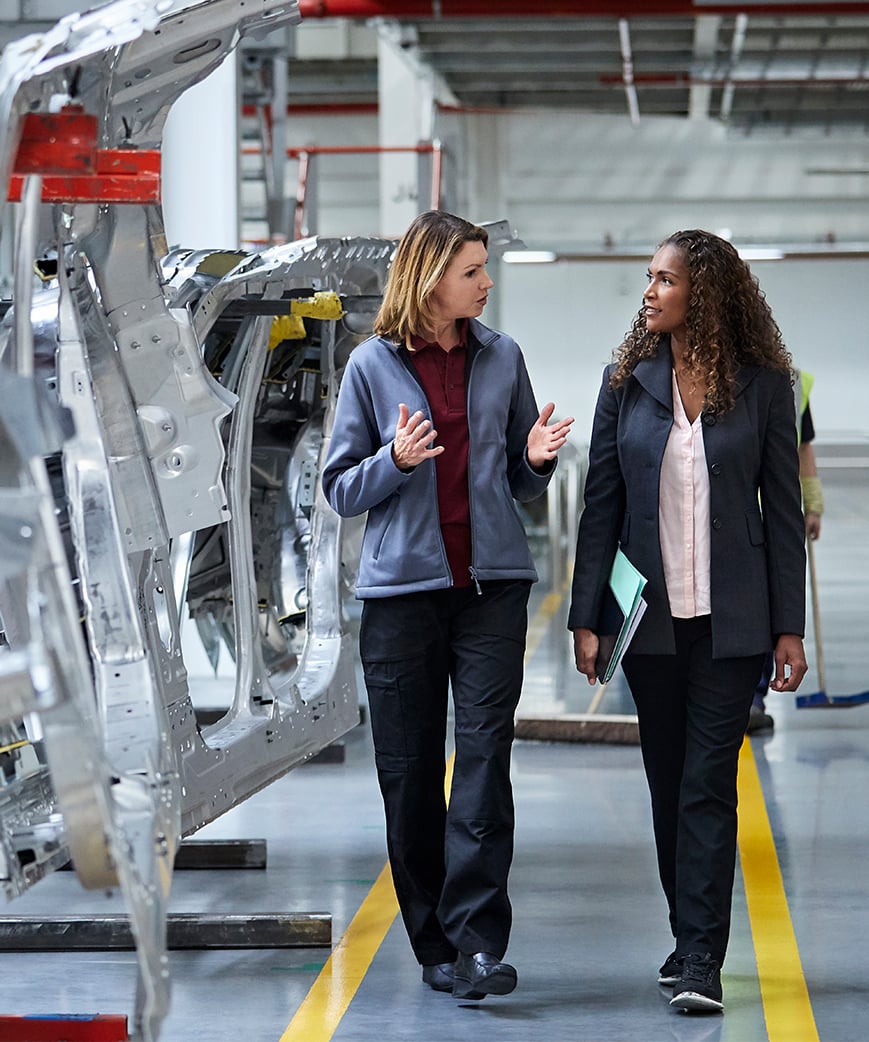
(473,568)
(409,366)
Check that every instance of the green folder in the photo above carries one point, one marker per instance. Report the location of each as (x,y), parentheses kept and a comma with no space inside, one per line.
(620,615)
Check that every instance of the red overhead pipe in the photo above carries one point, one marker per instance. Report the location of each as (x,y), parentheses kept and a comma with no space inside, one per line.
(575,8)
(304,155)
(347,150)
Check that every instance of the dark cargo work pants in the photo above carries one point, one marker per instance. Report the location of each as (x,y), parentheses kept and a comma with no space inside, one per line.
(693,711)
(449,866)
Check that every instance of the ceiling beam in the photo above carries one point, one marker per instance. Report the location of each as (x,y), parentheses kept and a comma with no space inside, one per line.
(736,46)
(628,71)
(705,48)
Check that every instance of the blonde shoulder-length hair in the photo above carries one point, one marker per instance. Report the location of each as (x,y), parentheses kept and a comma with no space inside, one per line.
(420,260)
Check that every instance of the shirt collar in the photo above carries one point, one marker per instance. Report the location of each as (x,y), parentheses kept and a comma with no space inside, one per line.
(420,344)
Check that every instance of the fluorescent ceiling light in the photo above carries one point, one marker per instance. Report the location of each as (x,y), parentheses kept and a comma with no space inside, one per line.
(760,253)
(528,257)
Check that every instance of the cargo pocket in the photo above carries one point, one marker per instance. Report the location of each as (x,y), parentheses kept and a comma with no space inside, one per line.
(386,708)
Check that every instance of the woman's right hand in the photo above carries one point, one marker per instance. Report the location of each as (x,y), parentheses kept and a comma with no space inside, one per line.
(585,648)
(413,435)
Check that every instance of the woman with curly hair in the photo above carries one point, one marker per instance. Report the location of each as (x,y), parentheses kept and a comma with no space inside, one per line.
(693,472)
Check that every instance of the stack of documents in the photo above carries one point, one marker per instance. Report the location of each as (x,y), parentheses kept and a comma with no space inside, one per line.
(620,615)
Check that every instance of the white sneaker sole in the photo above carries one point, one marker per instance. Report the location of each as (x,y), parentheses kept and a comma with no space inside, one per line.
(694,1001)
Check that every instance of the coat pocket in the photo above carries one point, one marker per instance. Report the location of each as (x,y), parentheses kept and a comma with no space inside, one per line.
(756,534)
(382,526)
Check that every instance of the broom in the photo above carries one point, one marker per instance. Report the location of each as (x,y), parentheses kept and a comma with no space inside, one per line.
(820,699)
(591,726)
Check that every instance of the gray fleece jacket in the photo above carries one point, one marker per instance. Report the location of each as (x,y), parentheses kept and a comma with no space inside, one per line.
(402,548)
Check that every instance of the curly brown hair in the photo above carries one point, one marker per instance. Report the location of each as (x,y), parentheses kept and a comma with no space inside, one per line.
(729,323)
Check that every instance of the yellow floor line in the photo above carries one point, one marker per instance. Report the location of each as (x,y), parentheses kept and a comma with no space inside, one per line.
(326,1003)
(539,624)
(787,1009)
(320,1013)
(786,1005)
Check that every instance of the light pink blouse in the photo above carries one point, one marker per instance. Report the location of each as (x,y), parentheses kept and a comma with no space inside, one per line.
(683,515)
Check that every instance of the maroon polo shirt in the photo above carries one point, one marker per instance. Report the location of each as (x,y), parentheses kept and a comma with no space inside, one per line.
(442,375)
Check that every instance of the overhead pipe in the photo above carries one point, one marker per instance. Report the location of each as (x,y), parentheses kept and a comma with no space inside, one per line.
(699,79)
(499,9)
(348,150)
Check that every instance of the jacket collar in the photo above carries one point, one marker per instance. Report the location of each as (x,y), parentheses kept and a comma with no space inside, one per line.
(654,374)
(482,334)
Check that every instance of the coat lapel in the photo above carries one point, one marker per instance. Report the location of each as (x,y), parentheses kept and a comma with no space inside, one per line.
(744,377)
(654,374)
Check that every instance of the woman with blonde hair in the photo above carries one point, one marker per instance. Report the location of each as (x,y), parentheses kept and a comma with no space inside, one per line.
(436,434)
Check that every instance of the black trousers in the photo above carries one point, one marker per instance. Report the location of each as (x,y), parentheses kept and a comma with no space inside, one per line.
(449,866)
(693,711)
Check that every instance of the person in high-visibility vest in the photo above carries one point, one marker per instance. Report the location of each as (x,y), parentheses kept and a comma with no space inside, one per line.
(813,507)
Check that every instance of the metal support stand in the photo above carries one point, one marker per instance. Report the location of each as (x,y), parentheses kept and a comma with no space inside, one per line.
(214,853)
(184,932)
(65,933)
(221,853)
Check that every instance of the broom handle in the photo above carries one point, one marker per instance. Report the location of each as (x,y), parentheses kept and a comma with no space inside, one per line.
(598,695)
(816,616)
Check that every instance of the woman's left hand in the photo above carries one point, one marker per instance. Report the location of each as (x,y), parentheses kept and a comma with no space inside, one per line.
(544,442)
(790,663)
(585,648)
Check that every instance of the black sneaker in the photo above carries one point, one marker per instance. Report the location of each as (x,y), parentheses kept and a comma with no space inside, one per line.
(759,720)
(671,972)
(699,988)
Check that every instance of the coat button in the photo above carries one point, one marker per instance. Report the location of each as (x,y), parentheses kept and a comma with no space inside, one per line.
(716,522)
(715,468)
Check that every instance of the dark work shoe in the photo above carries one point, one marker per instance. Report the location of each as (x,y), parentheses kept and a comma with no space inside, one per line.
(482,974)
(671,972)
(759,720)
(439,977)
(699,988)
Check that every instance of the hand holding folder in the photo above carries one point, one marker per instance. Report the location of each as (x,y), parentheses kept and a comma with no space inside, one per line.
(622,610)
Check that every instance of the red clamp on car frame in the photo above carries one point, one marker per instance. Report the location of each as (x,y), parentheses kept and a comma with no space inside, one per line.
(62,148)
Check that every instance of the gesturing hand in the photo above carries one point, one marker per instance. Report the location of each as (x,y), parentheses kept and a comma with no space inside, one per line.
(544,442)
(413,435)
